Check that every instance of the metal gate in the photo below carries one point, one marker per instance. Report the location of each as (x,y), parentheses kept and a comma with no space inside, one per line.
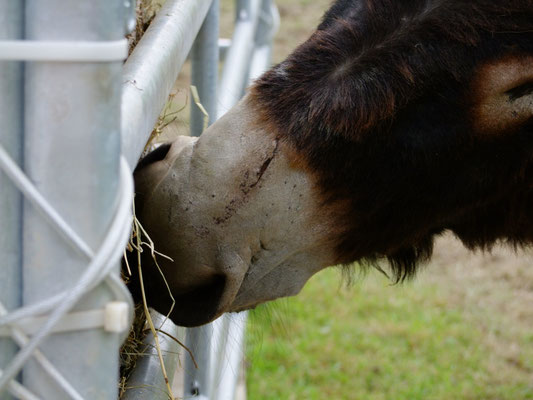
(75,120)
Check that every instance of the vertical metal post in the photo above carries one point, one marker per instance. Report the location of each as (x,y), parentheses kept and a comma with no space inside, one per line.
(204,62)
(11,28)
(267,28)
(228,345)
(204,58)
(147,381)
(71,153)
(237,61)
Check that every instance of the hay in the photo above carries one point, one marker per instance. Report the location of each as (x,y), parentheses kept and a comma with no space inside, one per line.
(168,116)
(130,350)
(146,11)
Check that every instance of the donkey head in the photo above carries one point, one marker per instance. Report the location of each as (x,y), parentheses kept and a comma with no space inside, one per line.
(394,122)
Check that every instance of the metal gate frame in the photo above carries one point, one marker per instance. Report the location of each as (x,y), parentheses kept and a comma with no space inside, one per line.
(69,108)
(65,199)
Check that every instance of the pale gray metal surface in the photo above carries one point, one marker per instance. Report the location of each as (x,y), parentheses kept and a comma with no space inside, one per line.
(196,382)
(204,69)
(152,68)
(204,59)
(228,344)
(71,153)
(11,23)
(146,381)
(268,26)
(237,62)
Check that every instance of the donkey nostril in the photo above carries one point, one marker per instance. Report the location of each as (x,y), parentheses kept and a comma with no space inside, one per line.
(200,304)
(154,156)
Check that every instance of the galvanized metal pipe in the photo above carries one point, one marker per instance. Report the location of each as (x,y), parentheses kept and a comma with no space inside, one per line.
(11,28)
(72,152)
(204,65)
(146,381)
(268,26)
(153,67)
(230,352)
(237,63)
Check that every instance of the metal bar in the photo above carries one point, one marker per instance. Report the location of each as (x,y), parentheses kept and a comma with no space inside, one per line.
(268,26)
(146,381)
(230,353)
(204,58)
(223,46)
(196,382)
(71,153)
(236,67)
(204,66)
(11,28)
(218,352)
(153,67)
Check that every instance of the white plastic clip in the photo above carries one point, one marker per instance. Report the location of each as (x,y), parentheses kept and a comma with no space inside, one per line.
(116,316)
(112,318)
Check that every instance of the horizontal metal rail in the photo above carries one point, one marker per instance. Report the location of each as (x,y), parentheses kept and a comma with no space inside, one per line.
(152,68)
(237,63)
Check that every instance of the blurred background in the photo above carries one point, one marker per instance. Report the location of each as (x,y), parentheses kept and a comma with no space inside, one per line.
(463,329)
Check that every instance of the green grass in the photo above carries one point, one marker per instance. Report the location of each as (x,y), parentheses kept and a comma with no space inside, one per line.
(374,341)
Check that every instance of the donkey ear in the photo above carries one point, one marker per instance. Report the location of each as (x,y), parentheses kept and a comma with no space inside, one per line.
(503,94)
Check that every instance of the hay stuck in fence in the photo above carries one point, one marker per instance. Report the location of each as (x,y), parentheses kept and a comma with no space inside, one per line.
(145,12)
(133,346)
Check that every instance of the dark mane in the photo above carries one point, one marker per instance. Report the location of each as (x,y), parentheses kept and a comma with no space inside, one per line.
(382,90)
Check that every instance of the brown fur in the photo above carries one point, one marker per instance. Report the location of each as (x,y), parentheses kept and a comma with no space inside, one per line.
(494,110)
(388,105)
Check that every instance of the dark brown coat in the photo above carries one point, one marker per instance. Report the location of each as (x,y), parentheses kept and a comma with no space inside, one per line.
(415,116)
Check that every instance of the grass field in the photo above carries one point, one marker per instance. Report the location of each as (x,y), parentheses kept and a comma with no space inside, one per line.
(462,330)
(436,338)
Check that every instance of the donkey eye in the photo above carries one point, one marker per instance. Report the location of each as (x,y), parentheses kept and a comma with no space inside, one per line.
(520,91)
